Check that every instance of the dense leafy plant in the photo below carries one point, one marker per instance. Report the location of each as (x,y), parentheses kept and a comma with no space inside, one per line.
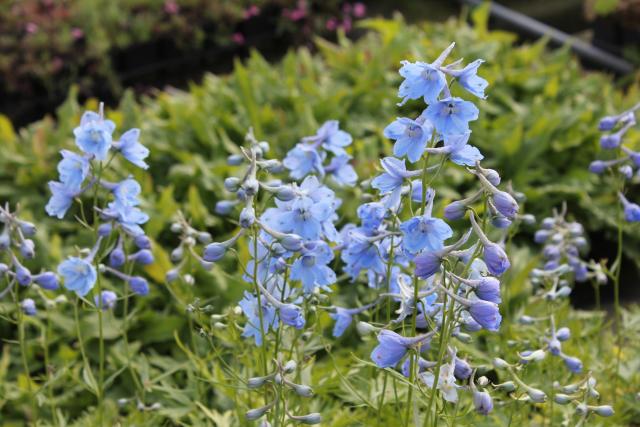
(195,367)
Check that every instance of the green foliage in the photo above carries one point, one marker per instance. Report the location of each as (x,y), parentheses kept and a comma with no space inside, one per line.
(538,127)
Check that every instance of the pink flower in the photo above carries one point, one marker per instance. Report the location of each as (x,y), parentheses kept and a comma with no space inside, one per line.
(251,11)
(359,10)
(332,24)
(77,33)
(238,38)
(346,24)
(171,7)
(31,27)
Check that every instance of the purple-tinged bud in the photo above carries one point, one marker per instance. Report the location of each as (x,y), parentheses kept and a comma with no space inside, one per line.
(106,300)
(608,123)
(505,204)
(597,167)
(541,236)
(486,314)
(603,410)
(139,285)
(172,275)
(204,237)
(455,210)
(5,239)
(291,315)
(551,265)
(3,269)
(562,399)
(611,141)
(291,242)
(310,419)
(626,171)
(177,254)
(492,176)
(27,249)
(482,402)
(47,280)
(28,229)
(563,292)
(573,364)
(488,289)
(28,307)
(548,223)
(142,257)
(142,242)
(225,207)
(241,195)
(495,258)
(105,229)
(232,184)
(554,346)
(251,186)
(528,219)
(551,252)
(254,414)
(501,222)
(285,193)
(235,159)
(117,257)
(526,320)
(302,390)
(214,252)
(23,275)
(462,370)
(427,264)
(247,217)
(563,334)
(537,396)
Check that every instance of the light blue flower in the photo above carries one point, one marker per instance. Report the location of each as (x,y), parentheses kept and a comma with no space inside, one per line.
(469,79)
(249,305)
(73,169)
(421,80)
(395,172)
(129,217)
(331,138)
(132,149)
(302,160)
(311,267)
(424,232)
(126,192)
(631,210)
(79,275)
(360,253)
(392,347)
(93,136)
(459,151)
(343,318)
(371,215)
(341,171)
(292,315)
(411,137)
(451,115)
(61,199)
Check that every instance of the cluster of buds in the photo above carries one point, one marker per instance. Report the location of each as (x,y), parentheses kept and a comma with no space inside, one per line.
(187,249)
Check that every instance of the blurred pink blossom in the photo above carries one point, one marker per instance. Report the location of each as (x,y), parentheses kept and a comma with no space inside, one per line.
(251,11)
(238,38)
(31,27)
(171,7)
(359,10)
(346,24)
(77,33)
(332,24)
(300,12)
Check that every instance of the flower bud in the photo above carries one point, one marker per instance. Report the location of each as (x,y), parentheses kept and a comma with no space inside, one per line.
(554,346)
(214,252)
(139,285)
(603,410)
(573,364)
(291,242)
(563,334)
(142,242)
(312,418)
(455,210)
(482,402)
(172,275)
(492,176)
(609,142)
(177,254)
(257,382)
(526,320)
(254,414)
(505,204)
(495,258)
(204,237)
(597,167)
(142,257)
(285,193)
(117,257)
(302,390)
(483,381)
(537,396)
(176,227)
(225,207)
(251,186)
(500,221)
(105,229)
(5,239)
(3,269)
(47,280)
(247,217)
(235,159)
(106,300)
(528,219)
(541,236)
(28,229)
(28,307)
(500,363)
(290,367)
(27,249)
(507,387)
(232,184)
(23,275)
(608,123)
(562,399)
(365,328)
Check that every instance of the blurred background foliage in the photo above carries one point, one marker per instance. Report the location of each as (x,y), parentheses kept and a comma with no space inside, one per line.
(538,127)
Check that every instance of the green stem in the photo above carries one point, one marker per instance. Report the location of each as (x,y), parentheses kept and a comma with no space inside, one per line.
(23,353)
(47,360)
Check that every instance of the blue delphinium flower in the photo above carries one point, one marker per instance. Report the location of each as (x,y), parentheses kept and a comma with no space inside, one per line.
(303,160)
(421,80)
(392,347)
(631,210)
(395,172)
(341,171)
(486,314)
(106,300)
(94,135)
(128,217)
(61,199)
(469,79)
(132,149)
(482,402)
(425,232)
(361,253)
(292,315)
(411,137)
(47,280)
(371,215)
(331,138)
(311,267)
(126,192)
(459,151)
(572,363)
(73,170)
(79,275)
(343,318)
(451,115)
(249,305)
